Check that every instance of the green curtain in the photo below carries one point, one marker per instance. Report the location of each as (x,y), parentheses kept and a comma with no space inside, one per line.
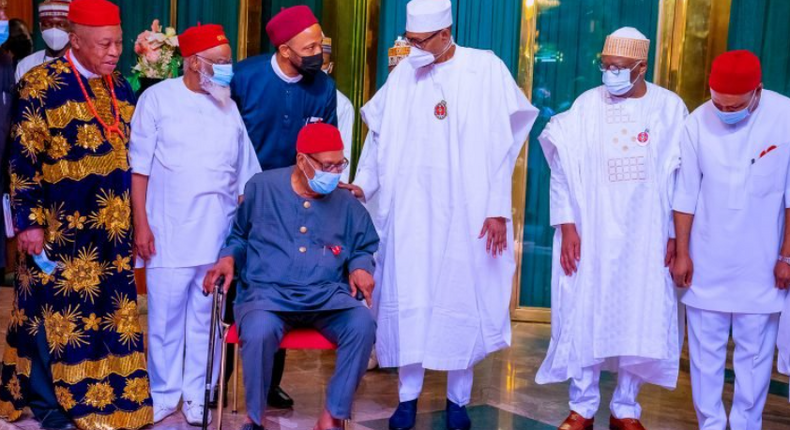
(271,7)
(223,12)
(483,24)
(392,23)
(761,26)
(570,37)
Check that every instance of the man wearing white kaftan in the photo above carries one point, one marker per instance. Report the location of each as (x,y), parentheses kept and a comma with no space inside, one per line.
(191,159)
(446,130)
(733,243)
(613,158)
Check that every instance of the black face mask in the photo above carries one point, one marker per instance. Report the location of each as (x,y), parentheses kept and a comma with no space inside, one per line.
(310,65)
(19,47)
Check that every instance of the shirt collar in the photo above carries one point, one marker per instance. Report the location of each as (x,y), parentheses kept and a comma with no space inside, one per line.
(87,74)
(280,74)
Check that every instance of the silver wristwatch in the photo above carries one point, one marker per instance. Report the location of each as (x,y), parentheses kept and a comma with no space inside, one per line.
(785,260)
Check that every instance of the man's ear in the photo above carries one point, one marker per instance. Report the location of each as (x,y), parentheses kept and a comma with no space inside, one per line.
(74,40)
(284,51)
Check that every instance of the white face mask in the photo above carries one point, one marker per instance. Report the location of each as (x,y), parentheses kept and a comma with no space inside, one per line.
(55,38)
(421,58)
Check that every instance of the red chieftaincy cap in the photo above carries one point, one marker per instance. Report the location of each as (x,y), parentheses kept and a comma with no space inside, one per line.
(200,38)
(318,137)
(94,13)
(735,73)
(288,23)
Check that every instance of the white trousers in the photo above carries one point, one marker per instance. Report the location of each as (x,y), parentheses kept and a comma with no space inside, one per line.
(459,384)
(179,316)
(755,343)
(585,394)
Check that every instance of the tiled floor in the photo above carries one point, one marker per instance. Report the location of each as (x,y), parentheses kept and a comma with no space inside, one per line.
(505,395)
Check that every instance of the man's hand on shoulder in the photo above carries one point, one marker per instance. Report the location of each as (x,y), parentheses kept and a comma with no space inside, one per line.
(224,267)
(362,281)
(356,191)
(31,241)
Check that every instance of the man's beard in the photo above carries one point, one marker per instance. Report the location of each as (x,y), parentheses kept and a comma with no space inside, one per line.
(219,93)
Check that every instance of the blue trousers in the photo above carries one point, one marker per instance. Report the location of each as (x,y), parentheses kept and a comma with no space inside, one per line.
(352,330)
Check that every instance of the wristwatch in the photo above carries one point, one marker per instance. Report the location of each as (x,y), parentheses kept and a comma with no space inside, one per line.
(785,260)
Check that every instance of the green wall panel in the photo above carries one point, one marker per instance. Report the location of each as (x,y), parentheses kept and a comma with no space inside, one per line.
(762,26)
(570,39)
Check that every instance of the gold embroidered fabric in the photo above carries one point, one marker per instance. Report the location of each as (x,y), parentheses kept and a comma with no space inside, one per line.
(101,165)
(116,420)
(123,366)
(11,358)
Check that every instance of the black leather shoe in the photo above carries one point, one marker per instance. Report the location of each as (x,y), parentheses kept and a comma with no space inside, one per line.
(251,426)
(56,420)
(405,416)
(457,418)
(279,399)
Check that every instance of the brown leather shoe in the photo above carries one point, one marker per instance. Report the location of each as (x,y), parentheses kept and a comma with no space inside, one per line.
(625,424)
(576,422)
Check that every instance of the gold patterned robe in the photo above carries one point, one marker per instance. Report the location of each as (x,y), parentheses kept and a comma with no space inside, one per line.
(71,177)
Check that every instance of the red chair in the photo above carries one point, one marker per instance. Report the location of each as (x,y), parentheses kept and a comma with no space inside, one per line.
(294,339)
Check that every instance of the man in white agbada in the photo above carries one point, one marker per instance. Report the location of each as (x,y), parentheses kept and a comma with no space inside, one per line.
(733,245)
(54,23)
(613,159)
(446,128)
(345,110)
(191,159)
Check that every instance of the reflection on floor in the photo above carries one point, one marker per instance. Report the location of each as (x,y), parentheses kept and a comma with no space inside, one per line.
(505,395)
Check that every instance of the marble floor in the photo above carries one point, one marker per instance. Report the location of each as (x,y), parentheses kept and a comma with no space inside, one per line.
(505,395)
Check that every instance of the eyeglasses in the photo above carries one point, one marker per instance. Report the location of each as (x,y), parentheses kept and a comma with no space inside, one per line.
(330,168)
(212,62)
(616,70)
(419,43)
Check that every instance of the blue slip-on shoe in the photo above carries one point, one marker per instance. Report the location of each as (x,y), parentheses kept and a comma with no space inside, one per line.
(405,416)
(457,418)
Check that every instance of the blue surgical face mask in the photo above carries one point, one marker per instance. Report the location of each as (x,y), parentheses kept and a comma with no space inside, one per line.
(619,83)
(44,263)
(3,32)
(223,74)
(323,182)
(732,118)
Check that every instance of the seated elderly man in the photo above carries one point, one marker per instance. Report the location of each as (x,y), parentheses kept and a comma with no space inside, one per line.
(306,252)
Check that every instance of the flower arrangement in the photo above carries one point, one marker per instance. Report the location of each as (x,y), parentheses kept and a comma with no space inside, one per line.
(158,56)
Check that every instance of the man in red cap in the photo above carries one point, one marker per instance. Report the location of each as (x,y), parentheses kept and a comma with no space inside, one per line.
(306,254)
(733,258)
(277,94)
(74,348)
(191,158)
(291,76)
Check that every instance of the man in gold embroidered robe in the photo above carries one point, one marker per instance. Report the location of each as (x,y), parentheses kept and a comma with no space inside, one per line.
(74,350)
